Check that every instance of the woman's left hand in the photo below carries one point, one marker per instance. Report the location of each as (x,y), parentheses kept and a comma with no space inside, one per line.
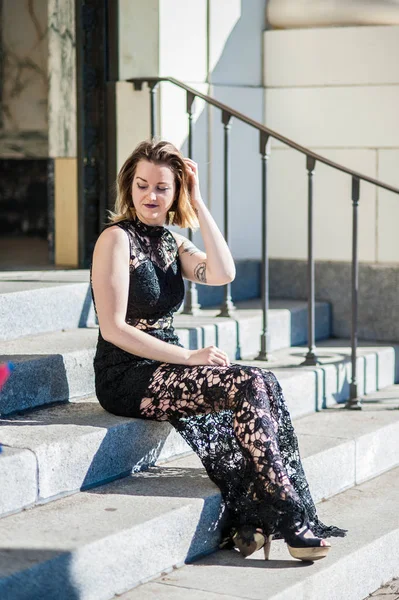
(193,182)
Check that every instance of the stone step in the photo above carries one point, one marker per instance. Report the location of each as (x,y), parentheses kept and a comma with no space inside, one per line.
(356,565)
(309,389)
(58,366)
(240,335)
(111,538)
(60,450)
(49,367)
(44,301)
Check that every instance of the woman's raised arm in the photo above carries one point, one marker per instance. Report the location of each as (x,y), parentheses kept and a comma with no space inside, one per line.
(215,266)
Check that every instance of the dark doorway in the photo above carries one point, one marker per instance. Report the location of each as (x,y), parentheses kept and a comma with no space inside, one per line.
(23,213)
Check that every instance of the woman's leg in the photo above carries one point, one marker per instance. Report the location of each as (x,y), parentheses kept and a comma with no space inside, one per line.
(240,450)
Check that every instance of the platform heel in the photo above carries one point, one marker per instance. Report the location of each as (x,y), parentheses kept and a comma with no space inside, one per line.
(303,548)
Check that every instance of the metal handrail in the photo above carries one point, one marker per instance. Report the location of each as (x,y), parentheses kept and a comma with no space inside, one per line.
(260,127)
(265,135)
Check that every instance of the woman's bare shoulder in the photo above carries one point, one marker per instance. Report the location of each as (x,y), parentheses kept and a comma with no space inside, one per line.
(111,237)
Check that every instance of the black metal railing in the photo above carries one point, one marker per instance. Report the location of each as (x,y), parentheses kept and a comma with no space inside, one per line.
(312,158)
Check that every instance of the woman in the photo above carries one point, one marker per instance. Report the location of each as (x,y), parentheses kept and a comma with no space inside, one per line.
(233,416)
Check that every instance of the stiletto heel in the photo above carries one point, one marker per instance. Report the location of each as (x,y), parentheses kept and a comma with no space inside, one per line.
(305,548)
(248,540)
(267,547)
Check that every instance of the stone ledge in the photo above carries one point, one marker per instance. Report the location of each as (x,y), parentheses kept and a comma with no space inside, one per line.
(309,389)
(106,540)
(355,566)
(80,445)
(44,309)
(111,539)
(18,474)
(58,366)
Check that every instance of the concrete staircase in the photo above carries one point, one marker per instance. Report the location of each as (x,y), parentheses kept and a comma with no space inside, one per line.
(115,502)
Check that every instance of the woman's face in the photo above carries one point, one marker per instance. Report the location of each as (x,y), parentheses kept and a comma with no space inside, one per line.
(153,192)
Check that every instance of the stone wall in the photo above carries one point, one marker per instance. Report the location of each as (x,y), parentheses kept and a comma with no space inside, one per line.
(378,294)
(336,91)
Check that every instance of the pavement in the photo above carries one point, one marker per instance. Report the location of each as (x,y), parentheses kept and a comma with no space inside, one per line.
(390,591)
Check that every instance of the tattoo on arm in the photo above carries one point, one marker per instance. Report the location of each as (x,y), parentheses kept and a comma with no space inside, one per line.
(189,247)
(200,272)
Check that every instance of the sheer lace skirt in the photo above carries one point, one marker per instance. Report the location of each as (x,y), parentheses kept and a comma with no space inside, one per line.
(236,420)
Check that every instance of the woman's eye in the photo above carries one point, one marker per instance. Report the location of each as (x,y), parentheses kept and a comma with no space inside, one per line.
(163,189)
(141,187)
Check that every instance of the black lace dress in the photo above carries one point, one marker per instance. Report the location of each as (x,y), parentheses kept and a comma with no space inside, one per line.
(235,418)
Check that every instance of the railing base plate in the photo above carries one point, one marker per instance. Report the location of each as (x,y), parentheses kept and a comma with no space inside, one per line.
(311,360)
(193,311)
(264,356)
(354,404)
(228,310)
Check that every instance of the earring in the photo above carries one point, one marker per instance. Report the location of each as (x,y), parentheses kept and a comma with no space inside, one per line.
(171,217)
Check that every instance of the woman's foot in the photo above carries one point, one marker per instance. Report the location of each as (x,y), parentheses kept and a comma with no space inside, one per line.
(304,545)
(248,540)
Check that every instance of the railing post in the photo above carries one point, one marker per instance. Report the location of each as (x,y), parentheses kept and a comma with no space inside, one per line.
(264,149)
(311,358)
(227,308)
(153,107)
(191,306)
(354,402)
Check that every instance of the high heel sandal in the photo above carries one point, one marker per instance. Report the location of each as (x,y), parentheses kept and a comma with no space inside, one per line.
(305,548)
(249,540)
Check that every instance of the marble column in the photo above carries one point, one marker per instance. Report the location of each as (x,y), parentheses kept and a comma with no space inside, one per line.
(62,133)
(24,84)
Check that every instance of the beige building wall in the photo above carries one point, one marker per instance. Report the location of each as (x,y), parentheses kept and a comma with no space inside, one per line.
(336,91)
(332,89)
(214,46)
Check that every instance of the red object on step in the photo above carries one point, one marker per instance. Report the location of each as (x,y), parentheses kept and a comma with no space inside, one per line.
(5,372)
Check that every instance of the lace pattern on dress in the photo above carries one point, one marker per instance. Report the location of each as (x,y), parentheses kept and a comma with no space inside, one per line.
(154,244)
(236,420)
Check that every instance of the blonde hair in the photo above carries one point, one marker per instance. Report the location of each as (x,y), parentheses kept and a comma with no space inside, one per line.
(158,152)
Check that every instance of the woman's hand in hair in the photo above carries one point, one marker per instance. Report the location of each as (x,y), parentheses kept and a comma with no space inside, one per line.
(193,183)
